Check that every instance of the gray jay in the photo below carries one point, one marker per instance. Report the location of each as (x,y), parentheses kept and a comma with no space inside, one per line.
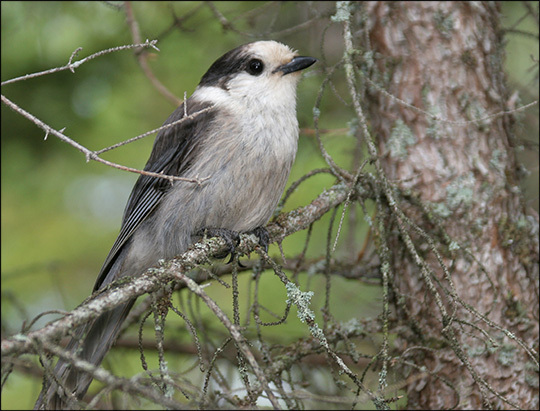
(245,144)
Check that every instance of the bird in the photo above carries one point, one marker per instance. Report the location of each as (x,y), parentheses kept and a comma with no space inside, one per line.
(243,142)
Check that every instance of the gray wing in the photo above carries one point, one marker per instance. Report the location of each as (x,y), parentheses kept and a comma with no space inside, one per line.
(173,152)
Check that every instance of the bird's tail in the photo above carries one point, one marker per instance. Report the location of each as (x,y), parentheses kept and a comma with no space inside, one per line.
(91,343)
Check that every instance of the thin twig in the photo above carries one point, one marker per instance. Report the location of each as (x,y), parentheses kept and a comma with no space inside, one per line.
(234,330)
(72,66)
(92,155)
(163,127)
(444,120)
(142,57)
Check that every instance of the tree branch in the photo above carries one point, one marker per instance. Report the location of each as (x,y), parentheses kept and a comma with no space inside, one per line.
(93,155)
(153,279)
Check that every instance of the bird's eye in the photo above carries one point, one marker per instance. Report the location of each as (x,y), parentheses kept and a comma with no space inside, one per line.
(255,67)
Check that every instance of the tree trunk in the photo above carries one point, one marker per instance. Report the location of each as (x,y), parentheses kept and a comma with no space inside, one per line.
(446,58)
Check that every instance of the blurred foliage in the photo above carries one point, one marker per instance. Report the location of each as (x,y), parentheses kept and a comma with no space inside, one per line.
(522,53)
(60,215)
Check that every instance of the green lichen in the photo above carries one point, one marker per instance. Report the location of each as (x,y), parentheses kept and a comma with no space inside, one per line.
(453,246)
(507,355)
(353,127)
(496,161)
(444,23)
(353,327)
(302,300)
(401,137)
(460,192)
(343,12)
(441,210)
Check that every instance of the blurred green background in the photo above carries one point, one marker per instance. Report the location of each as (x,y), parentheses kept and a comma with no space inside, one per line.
(60,215)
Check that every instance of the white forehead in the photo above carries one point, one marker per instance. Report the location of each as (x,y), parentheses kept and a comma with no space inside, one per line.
(245,92)
(272,52)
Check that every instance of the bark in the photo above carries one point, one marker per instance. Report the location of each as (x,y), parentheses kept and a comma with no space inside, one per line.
(446,58)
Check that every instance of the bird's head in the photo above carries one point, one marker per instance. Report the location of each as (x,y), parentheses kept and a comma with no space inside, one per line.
(264,71)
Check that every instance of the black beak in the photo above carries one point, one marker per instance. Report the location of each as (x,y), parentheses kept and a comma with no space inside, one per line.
(296,64)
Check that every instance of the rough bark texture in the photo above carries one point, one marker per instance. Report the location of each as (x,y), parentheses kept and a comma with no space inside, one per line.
(446,58)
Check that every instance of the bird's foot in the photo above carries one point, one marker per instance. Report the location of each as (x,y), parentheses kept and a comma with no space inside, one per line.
(232,239)
(262,235)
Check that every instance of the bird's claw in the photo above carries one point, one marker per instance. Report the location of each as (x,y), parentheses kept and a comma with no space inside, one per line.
(262,235)
(232,239)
